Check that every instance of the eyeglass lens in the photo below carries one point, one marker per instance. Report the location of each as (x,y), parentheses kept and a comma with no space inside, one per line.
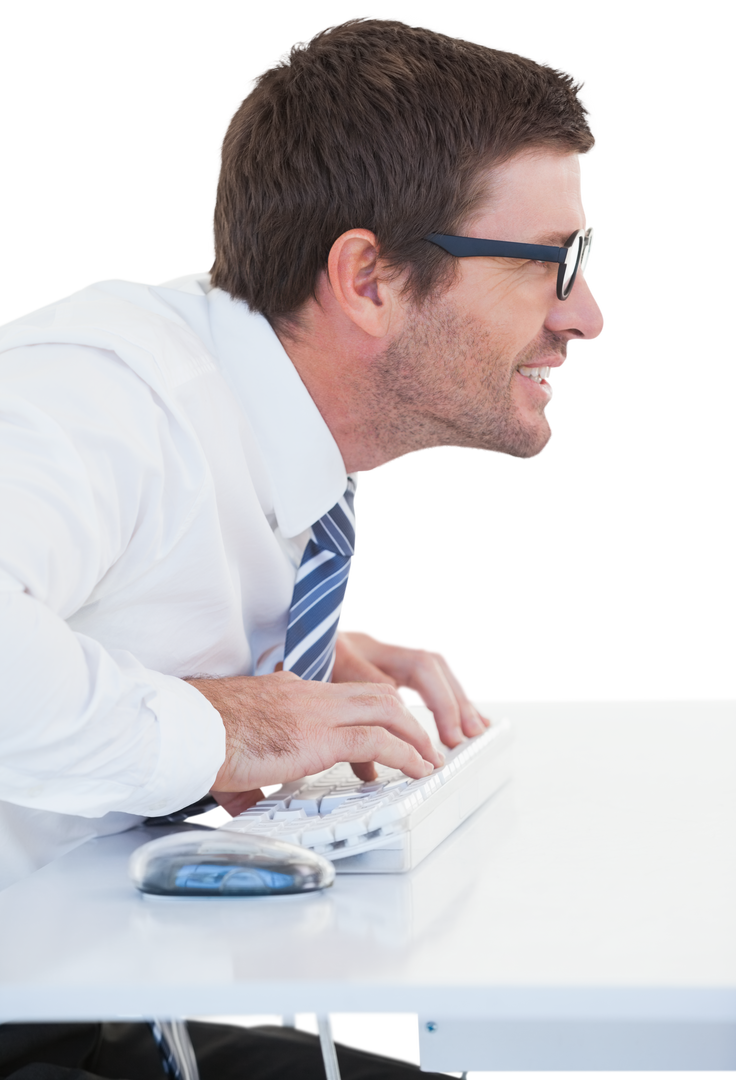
(579,250)
(572,263)
(587,243)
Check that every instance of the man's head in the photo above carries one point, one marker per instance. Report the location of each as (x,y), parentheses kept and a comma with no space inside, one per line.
(337,167)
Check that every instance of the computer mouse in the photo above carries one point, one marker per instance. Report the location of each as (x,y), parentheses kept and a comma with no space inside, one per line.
(220,863)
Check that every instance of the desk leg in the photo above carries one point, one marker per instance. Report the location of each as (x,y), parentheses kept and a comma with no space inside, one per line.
(329,1055)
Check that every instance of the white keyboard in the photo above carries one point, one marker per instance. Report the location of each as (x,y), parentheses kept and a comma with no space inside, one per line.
(390,824)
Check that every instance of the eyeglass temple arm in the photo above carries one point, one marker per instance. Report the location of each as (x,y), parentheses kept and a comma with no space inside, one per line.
(470,246)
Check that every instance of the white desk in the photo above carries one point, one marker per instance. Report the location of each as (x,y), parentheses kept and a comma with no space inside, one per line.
(585,917)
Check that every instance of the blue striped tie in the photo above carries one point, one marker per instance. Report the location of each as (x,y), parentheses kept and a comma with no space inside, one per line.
(169,1056)
(319,590)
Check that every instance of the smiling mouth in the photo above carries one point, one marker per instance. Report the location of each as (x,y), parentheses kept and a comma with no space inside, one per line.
(540,389)
(536,374)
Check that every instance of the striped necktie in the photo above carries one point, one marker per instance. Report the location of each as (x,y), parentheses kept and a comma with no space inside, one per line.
(175,1049)
(319,590)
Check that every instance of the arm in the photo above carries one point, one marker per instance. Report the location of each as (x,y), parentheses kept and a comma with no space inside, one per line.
(83,730)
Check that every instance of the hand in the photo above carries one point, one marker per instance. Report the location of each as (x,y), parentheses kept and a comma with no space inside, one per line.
(425,672)
(280,727)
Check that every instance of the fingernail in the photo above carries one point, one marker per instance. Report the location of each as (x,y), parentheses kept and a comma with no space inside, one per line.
(430,767)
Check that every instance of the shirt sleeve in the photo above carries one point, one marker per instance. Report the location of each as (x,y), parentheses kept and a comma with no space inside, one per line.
(84,730)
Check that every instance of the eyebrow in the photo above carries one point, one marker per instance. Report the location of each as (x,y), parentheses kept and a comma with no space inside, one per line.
(553,239)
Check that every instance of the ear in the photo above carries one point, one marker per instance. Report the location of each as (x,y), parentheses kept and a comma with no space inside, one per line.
(361,284)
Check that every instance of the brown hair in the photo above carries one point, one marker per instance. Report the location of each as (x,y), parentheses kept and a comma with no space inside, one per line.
(375,125)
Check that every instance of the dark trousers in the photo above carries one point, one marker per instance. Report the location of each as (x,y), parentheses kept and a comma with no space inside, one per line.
(128,1052)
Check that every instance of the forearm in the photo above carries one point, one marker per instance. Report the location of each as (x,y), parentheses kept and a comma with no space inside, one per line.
(83,731)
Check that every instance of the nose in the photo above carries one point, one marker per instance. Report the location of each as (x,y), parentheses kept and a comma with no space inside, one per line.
(579,316)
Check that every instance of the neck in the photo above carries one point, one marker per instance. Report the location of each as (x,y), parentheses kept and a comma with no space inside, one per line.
(339,383)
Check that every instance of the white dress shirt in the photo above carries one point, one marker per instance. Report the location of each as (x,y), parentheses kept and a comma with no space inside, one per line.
(161,463)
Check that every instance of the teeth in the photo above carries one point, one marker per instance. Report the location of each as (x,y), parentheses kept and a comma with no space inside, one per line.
(536,374)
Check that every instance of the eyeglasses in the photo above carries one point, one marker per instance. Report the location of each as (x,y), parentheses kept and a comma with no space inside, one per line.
(572,257)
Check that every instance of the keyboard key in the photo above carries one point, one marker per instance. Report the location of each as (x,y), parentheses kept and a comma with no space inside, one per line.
(291,833)
(261,828)
(427,784)
(396,785)
(245,820)
(313,791)
(318,832)
(271,804)
(309,806)
(356,825)
(330,803)
(384,815)
(350,788)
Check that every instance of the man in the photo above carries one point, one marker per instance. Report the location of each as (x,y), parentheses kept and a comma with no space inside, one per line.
(178,456)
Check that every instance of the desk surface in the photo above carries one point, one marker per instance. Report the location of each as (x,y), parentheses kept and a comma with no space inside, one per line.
(600,883)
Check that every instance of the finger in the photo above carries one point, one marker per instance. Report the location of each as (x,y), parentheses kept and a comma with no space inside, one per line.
(427,676)
(364,770)
(356,668)
(235,802)
(353,704)
(472,721)
(368,743)
(406,666)
(370,704)
(455,716)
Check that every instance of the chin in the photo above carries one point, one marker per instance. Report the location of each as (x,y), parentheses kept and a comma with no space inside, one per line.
(534,446)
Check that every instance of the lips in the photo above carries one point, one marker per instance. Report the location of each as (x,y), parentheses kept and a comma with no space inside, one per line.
(554,362)
(544,391)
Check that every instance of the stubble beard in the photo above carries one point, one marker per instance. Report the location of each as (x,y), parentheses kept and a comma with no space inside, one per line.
(446,382)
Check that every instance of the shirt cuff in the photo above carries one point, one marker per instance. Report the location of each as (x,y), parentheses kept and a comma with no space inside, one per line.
(191,748)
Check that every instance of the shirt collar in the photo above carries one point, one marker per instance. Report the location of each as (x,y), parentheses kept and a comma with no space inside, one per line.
(304,463)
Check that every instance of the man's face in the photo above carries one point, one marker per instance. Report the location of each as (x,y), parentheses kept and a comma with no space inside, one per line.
(465,366)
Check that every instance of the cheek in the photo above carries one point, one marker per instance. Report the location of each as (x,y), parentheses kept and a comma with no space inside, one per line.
(510,311)
(519,326)
(512,331)
(490,292)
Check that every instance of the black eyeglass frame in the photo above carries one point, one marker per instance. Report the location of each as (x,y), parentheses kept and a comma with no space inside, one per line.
(573,256)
